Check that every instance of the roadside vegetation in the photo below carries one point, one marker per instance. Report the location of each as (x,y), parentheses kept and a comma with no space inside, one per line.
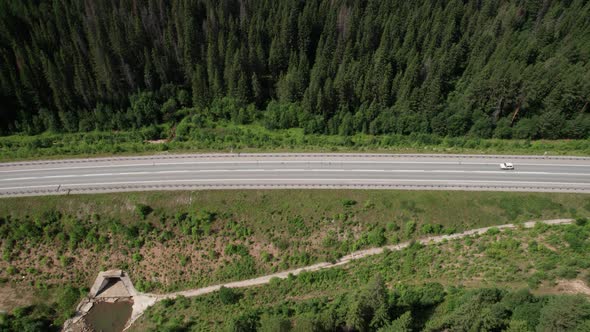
(228,137)
(498,281)
(395,76)
(179,240)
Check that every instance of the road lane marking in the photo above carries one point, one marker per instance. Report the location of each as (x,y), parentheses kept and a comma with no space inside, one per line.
(314,181)
(285,170)
(330,162)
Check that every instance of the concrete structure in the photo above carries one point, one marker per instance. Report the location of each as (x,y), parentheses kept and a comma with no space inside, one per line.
(110,286)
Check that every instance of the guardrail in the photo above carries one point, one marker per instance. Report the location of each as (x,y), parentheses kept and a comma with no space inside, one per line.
(289,155)
(126,188)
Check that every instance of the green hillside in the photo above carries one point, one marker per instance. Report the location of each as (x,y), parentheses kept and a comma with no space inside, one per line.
(487,68)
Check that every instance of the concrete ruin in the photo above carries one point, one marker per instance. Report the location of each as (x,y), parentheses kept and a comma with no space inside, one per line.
(110,286)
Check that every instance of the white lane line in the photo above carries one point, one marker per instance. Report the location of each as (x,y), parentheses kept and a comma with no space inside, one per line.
(314,181)
(330,162)
(286,170)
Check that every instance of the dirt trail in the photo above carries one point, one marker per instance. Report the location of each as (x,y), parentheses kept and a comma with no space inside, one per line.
(151,299)
(353,256)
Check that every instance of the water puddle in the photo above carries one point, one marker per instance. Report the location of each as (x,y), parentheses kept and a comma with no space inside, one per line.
(109,317)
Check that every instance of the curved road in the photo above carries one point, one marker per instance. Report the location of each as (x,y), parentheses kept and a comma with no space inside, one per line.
(232,171)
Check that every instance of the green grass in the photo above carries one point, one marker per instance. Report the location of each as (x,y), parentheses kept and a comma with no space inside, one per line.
(514,259)
(270,209)
(255,138)
(176,240)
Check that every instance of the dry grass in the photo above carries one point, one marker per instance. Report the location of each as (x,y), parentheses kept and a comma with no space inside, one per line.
(283,223)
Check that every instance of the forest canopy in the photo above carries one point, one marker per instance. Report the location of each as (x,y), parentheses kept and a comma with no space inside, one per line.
(484,68)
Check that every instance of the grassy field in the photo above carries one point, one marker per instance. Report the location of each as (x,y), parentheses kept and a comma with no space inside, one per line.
(54,246)
(547,259)
(176,240)
(255,138)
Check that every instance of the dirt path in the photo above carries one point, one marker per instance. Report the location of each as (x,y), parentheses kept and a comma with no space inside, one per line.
(146,300)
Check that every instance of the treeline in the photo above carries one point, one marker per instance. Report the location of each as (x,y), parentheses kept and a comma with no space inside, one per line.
(404,308)
(375,308)
(483,68)
(43,317)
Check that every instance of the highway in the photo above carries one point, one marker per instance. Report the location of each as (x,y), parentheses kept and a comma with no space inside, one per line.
(252,171)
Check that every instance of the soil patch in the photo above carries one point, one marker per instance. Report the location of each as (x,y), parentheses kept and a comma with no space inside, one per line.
(11,298)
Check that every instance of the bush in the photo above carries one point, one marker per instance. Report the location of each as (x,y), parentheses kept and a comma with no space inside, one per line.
(432,229)
(65,260)
(493,231)
(11,270)
(330,240)
(564,313)
(239,249)
(410,228)
(376,237)
(348,202)
(581,221)
(567,272)
(143,210)
(392,227)
(228,295)
(184,260)
(274,324)
(137,257)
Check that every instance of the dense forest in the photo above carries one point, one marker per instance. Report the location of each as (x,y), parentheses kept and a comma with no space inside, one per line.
(484,68)
(406,308)
(427,308)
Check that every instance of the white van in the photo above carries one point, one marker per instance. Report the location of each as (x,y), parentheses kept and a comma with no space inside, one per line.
(507,166)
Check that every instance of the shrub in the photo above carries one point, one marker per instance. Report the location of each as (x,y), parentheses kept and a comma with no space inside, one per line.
(348,202)
(274,324)
(330,240)
(535,280)
(265,256)
(431,229)
(564,313)
(567,272)
(143,210)
(137,257)
(376,237)
(450,230)
(228,295)
(410,228)
(66,301)
(392,227)
(581,221)
(65,260)
(213,255)
(297,225)
(369,204)
(167,302)
(493,231)
(7,255)
(11,270)
(184,260)
(239,249)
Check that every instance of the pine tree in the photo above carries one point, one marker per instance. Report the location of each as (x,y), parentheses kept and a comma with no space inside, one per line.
(200,89)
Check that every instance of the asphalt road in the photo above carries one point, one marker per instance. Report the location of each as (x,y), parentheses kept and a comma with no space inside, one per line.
(227,171)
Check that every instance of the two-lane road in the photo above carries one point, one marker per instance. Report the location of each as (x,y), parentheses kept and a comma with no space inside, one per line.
(227,171)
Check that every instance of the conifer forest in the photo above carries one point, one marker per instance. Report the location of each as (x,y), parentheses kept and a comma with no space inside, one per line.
(484,68)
